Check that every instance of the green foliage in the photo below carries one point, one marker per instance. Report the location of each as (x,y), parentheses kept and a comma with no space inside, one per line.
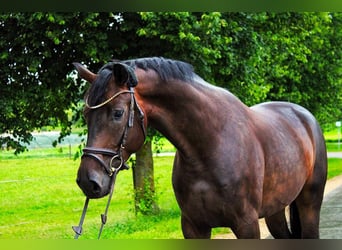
(37,51)
(146,199)
(193,37)
(303,61)
(257,56)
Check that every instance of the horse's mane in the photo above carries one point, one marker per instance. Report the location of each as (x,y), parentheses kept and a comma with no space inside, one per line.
(166,69)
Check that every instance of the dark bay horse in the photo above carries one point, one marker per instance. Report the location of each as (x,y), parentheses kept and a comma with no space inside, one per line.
(234,164)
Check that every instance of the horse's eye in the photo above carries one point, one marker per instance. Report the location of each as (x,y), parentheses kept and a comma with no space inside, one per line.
(118,114)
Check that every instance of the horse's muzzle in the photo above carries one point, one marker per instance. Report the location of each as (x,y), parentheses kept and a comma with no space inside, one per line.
(94,182)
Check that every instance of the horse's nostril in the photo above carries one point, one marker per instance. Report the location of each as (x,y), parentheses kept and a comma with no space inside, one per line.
(92,183)
(96,188)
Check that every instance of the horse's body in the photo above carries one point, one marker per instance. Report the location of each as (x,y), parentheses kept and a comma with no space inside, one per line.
(234,164)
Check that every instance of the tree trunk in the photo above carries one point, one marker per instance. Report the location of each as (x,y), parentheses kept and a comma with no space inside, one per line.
(143,180)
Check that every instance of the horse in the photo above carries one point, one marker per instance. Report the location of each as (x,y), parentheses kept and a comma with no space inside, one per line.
(234,164)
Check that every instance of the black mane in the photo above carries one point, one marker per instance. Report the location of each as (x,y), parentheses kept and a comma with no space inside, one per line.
(166,69)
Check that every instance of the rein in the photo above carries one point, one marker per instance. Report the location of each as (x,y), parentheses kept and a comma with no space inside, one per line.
(78,229)
(111,169)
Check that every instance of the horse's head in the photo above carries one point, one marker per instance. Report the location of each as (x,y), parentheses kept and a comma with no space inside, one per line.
(115,123)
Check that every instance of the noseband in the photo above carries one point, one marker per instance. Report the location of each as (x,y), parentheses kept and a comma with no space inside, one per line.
(94,152)
(111,169)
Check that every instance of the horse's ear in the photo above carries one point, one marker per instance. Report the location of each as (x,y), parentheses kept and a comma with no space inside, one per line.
(124,74)
(84,73)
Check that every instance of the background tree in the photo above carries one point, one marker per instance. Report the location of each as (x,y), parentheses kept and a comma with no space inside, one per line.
(260,56)
(303,61)
(37,85)
(37,51)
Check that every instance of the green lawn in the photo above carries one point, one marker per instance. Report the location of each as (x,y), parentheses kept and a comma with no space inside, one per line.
(39,199)
(331,134)
(334,167)
(334,147)
(331,137)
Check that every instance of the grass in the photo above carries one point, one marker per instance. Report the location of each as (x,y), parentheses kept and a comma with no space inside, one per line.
(36,196)
(332,140)
(334,167)
(39,199)
(332,134)
(334,147)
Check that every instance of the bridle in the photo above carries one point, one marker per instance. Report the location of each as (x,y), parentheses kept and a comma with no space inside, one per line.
(111,169)
(94,152)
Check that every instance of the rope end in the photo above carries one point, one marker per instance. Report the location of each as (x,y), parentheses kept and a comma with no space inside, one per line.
(103,218)
(77,230)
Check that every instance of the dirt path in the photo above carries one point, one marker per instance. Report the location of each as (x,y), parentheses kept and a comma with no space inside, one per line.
(331,185)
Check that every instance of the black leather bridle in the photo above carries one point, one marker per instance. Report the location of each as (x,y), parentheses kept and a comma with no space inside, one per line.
(116,156)
(112,168)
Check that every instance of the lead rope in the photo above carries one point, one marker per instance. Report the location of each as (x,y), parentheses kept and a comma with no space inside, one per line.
(104,216)
(116,170)
(78,229)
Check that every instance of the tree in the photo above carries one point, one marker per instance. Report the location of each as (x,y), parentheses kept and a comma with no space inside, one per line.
(259,56)
(37,51)
(143,179)
(303,61)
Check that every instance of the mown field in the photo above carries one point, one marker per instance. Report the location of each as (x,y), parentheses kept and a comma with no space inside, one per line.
(39,199)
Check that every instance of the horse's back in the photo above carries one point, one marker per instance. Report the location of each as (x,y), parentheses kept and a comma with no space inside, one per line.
(293,116)
(285,109)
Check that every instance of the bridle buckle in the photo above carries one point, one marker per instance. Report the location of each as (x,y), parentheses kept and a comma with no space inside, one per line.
(113,168)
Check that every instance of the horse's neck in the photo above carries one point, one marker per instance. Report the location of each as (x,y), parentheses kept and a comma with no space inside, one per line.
(190,115)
